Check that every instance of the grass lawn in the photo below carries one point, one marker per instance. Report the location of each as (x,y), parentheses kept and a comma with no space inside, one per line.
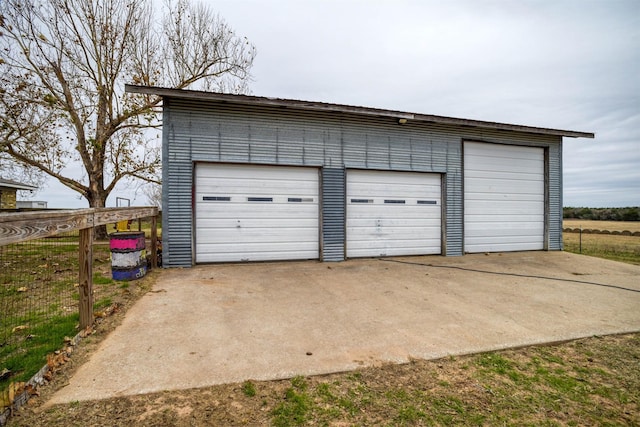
(592,381)
(39,302)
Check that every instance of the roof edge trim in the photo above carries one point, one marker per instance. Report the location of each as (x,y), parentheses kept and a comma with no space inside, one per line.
(340,108)
(17,185)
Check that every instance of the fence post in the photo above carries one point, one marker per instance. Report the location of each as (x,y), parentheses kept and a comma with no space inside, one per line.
(581,239)
(85,277)
(154,241)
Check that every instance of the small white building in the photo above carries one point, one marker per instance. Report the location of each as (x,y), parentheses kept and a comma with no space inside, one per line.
(31,204)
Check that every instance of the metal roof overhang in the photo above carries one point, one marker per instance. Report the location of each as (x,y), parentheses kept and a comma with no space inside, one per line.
(7,183)
(339,108)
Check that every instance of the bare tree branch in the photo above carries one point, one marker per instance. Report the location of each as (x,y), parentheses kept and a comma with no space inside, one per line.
(63,66)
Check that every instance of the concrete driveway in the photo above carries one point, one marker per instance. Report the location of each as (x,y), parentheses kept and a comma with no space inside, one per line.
(226,323)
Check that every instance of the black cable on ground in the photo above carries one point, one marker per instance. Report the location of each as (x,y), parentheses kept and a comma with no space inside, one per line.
(473,270)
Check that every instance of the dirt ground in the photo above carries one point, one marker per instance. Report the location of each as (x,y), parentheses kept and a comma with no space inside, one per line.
(585,382)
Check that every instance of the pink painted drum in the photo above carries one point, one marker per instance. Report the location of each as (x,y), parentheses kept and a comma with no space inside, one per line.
(127,241)
(128,255)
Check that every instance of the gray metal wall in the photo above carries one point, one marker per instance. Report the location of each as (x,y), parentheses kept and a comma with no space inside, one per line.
(221,132)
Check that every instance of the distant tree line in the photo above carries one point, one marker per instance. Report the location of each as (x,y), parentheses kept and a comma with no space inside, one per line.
(603,214)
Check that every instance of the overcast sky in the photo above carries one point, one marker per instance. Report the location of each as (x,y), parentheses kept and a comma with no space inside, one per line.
(551,63)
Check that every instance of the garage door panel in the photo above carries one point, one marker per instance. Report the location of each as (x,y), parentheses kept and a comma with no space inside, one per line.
(398,233)
(504,197)
(524,229)
(259,188)
(408,242)
(511,240)
(238,172)
(505,220)
(256,213)
(504,245)
(509,175)
(508,210)
(268,254)
(262,234)
(481,197)
(224,223)
(407,192)
(367,177)
(364,221)
(505,165)
(420,247)
(264,212)
(483,150)
(393,213)
(504,187)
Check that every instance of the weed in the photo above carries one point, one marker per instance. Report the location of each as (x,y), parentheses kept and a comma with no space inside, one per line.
(99,279)
(299,382)
(495,362)
(324,391)
(249,389)
(296,405)
(105,302)
(409,414)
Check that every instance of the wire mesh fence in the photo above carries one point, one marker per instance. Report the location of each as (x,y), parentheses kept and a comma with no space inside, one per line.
(617,247)
(40,298)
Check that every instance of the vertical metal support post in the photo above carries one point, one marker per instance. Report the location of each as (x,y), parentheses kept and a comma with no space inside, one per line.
(85,277)
(580,239)
(154,241)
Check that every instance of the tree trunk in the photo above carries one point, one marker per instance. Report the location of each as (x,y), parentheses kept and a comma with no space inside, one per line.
(98,199)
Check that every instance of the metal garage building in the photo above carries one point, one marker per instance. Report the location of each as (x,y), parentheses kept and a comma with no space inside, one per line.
(251,179)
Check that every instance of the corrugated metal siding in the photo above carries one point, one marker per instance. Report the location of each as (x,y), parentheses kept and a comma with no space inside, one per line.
(555,195)
(333,214)
(218,132)
(177,173)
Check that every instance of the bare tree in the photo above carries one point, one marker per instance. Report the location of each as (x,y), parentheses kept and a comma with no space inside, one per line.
(63,65)
(153,193)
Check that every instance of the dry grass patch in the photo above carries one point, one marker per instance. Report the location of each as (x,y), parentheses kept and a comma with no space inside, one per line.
(593,381)
(602,225)
(614,247)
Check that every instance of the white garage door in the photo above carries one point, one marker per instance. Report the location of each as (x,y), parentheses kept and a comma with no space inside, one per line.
(255,213)
(503,198)
(393,213)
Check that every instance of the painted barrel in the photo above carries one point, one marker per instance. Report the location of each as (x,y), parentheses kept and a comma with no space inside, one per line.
(126,241)
(127,274)
(128,259)
(128,255)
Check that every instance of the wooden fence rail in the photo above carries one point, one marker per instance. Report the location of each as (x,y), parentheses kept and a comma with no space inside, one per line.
(24,226)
